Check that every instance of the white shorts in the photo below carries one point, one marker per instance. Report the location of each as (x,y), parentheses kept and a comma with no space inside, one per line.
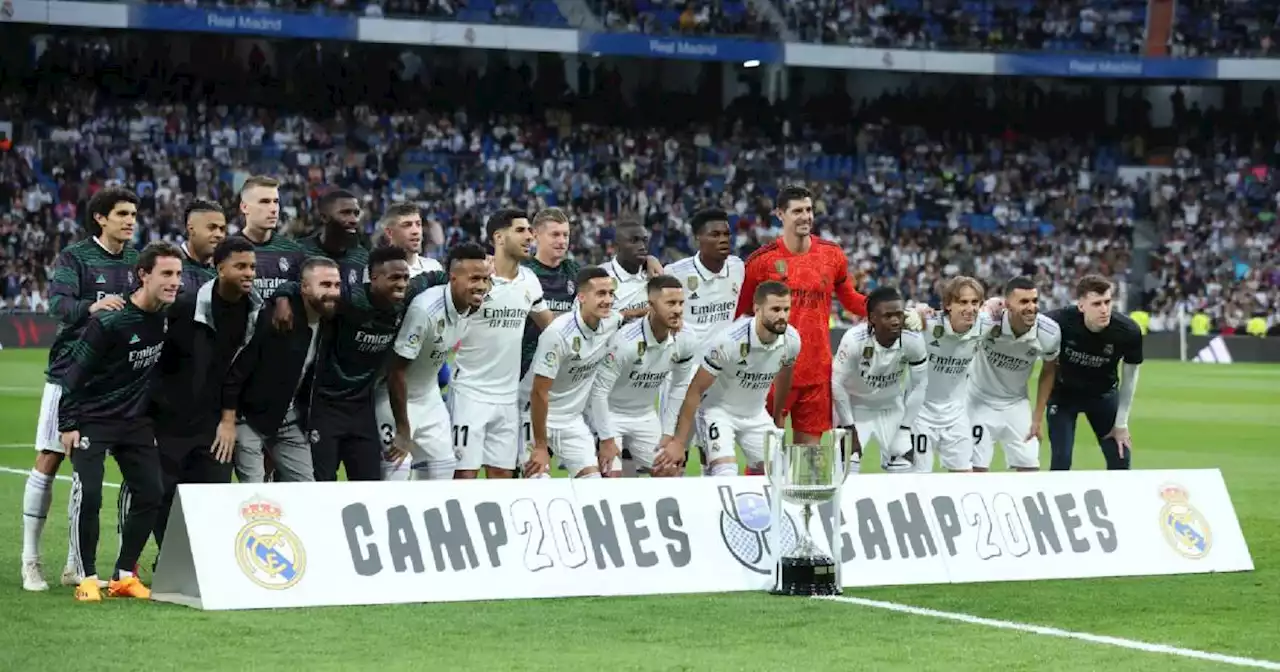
(1009,426)
(575,445)
(719,430)
(884,427)
(951,442)
(429,428)
(483,433)
(47,435)
(639,435)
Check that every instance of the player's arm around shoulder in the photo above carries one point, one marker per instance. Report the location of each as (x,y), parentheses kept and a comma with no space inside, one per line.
(914,349)
(418,328)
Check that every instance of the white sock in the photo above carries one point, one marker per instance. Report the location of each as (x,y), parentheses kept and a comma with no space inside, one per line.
(722,469)
(123,574)
(37,499)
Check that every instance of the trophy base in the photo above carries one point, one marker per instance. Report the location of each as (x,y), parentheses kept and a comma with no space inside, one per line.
(807,576)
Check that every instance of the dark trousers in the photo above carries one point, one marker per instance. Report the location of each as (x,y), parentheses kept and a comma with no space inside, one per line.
(133,446)
(1100,411)
(185,459)
(345,433)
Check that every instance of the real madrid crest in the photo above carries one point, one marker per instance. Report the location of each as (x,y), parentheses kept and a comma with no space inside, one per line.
(351,277)
(692,282)
(267,551)
(577,344)
(440,324)
(615,283)
(284,265)
(570,287)
(640,348)
(1108,349)
(743,349)
(781,267)
(868,351)
(995,333)
(937,331)
(1184,528)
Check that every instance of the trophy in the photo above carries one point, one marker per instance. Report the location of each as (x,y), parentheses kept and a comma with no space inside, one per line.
(805,474)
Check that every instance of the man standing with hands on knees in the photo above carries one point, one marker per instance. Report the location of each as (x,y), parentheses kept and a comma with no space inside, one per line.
(209,327)
(1095,342)
(107,390)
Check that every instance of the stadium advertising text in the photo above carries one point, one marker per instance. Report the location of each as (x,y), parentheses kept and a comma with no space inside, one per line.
(293,545)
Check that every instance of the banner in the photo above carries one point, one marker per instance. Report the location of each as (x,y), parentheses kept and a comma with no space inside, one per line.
(27,330)
(687,48)
(247,546)
(1113,67)
(241,22)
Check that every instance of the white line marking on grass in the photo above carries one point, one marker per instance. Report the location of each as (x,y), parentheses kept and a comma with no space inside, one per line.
(15,446)
(24,472)
(1055,632)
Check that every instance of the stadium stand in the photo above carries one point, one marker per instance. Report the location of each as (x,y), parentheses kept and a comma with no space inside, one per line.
(938,190)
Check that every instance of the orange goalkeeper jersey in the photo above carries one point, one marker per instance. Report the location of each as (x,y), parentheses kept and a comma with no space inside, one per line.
(816,278)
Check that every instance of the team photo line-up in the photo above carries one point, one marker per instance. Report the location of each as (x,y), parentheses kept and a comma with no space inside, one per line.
(268,358)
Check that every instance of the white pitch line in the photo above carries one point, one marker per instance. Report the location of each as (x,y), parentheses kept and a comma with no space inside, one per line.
(24,472)
(1055,632)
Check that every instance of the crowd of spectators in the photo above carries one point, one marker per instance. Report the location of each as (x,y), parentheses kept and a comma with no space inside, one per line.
(913,200)
(1199,28)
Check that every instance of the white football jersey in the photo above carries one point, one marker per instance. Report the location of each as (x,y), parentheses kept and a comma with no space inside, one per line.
(709,298)
(629,291)
(1003,365)
(488,363)
(950,356)
(634,370)
(568,353)
(432,327)
(866,374)
(744,367)
(421,264)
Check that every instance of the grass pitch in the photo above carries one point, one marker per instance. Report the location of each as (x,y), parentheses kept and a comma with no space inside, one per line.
(1186,416)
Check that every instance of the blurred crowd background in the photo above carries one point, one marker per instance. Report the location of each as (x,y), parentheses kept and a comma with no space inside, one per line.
(918,183)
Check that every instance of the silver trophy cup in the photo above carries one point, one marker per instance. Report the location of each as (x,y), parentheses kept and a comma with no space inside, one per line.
(805,475)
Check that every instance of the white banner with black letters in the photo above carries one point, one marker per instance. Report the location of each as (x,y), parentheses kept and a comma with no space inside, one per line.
(243,546)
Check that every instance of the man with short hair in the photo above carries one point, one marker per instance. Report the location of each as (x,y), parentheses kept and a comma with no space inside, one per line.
(337,236)
(726,400)
(629,270)
(951,337)
(644,355)
(278,257)
(712,279)
(561,377)
(342,423)
(1095,341)
(106,393)
(817,272)
(401,226)
(89,276)
(486,386)
(999,402)
(867,381)
(268,391)
(412,418)
(208,329)
(206,229)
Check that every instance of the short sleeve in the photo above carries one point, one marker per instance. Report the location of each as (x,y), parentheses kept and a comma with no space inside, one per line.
(914,348)
(714,359)
(1051,343)
(549,355)
(792,347)
(416,330)
(536,304)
